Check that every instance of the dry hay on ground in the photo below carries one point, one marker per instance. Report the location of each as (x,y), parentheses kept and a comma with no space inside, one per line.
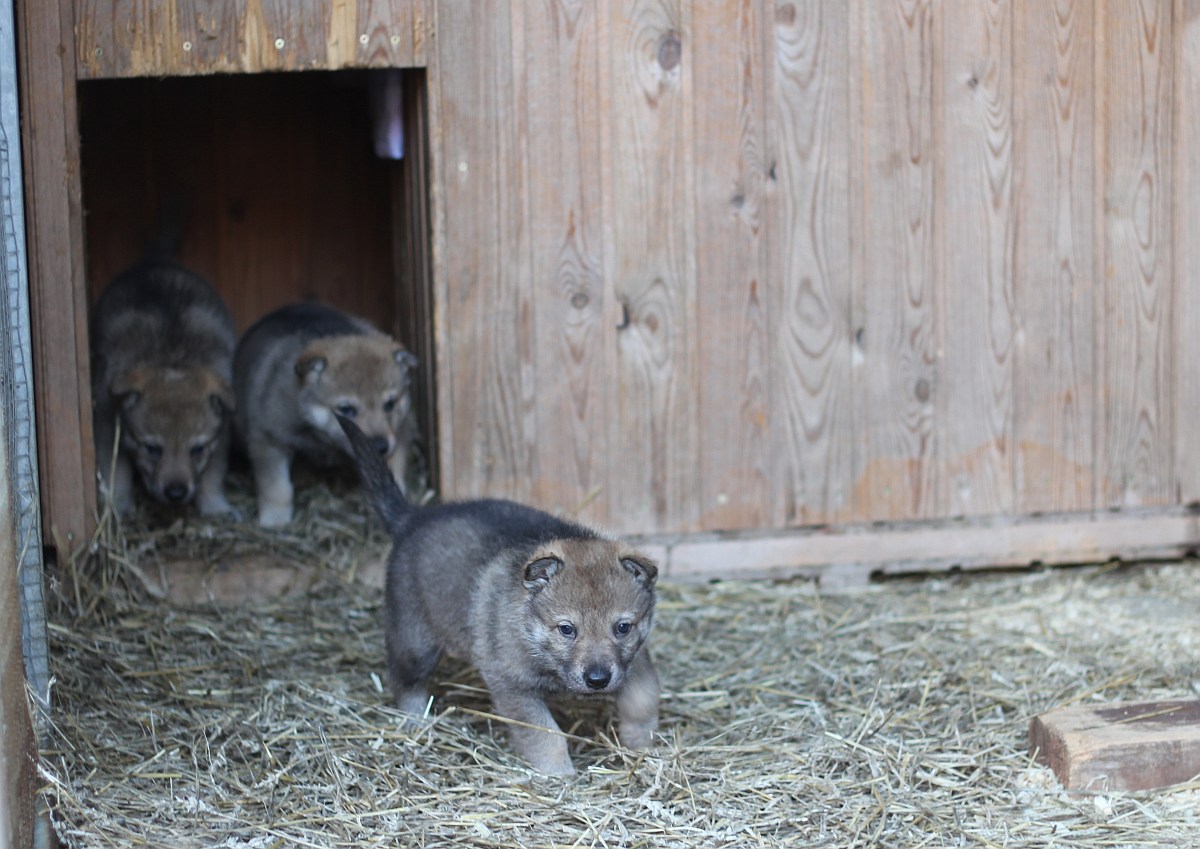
(895,716)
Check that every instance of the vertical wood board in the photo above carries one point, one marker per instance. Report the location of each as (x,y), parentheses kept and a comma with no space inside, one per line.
(1055,255)
(894,354)
(809,286)
(649,203)
(976,297)
(737,465)
(1135,423)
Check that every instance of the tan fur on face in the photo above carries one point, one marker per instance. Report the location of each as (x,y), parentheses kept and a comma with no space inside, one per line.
(171,423)
(595,595)
(365,372)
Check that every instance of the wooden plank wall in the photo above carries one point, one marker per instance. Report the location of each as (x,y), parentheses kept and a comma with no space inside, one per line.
(761,264)
(755,265)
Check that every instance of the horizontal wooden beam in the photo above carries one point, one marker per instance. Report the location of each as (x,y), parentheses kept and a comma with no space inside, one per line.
(843,557)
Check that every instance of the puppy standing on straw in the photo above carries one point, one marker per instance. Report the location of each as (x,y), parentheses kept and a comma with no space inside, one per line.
(540,605)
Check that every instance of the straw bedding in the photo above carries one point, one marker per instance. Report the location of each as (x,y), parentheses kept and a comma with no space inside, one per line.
(893,716)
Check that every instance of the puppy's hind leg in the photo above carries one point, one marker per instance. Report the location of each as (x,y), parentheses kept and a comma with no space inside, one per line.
(637,703)
(546,751)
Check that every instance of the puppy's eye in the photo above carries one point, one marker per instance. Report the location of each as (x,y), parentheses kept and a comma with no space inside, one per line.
(347,410)
(389,405)
(567,630)
(153,450)
(622,629)
(197,451)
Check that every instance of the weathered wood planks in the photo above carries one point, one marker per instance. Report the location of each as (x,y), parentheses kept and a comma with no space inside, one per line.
(758,264)
(118,38)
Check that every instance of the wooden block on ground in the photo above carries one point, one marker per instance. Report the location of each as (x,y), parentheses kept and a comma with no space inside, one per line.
(1119,746)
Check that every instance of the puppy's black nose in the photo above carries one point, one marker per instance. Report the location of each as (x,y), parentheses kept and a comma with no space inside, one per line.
(380,444)
(597,677)
(175,492)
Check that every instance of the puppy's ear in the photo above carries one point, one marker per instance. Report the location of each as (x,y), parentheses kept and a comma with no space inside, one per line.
(129,386)
(220,395)
(310,364)
(643,569)
(539,572)
(406,360)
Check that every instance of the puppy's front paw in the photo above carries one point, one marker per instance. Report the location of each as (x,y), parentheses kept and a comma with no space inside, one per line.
(217,506)
(274,517)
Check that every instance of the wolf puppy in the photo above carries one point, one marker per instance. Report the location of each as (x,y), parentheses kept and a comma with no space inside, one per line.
(162,353)
(297,368)
(538,604)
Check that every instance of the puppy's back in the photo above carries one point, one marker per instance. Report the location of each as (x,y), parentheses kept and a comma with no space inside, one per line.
(163,315)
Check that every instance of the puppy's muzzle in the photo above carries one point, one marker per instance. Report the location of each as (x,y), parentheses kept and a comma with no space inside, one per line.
(176,492)
(381,444)
(597,677)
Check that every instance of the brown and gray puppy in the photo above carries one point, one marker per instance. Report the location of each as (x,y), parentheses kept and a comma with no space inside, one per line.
(539,605)
(293,371)
(162,351)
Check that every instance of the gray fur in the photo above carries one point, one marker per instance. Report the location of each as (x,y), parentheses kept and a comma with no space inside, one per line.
(501,584)
(162,351)
(292,370)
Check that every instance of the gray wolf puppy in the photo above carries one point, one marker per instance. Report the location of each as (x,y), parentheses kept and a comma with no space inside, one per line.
(293,371)
(162,351)
(538,604)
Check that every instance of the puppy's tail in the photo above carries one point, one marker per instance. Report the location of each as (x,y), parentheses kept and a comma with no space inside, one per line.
(382,491)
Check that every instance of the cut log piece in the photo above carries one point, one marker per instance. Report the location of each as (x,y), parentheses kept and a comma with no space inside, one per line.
(1120,746)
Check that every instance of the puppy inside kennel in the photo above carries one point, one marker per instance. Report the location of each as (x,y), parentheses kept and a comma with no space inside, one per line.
(288,193)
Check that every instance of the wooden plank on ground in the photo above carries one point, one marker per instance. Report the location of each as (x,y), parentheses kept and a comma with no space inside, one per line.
(1055,395)
(736,464)
(894,351)
(1134,336)
(976,300)
(649,203)
(1120,746)
(809,291)
(855,553)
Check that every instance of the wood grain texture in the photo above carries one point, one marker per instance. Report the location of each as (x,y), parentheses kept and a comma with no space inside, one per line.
(558,76)
(1119,746)
(286,200)
(1135,428)
(125,38)
(737,466)
(650,202)
(976,294)
(810,262)
(894,354)
(1055,255)
(1186,255)
(486,340)
(58,300)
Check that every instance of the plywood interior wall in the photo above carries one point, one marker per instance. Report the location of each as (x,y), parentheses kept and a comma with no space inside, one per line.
(285,197)
(757,265)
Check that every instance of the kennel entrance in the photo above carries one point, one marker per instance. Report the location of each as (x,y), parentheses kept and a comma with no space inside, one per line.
(276,187)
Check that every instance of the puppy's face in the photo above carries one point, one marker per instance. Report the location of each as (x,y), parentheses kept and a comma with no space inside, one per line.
(361,377)
(590,611)
(171,422)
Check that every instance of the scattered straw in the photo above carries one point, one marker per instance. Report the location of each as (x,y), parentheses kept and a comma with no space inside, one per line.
(895,716)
